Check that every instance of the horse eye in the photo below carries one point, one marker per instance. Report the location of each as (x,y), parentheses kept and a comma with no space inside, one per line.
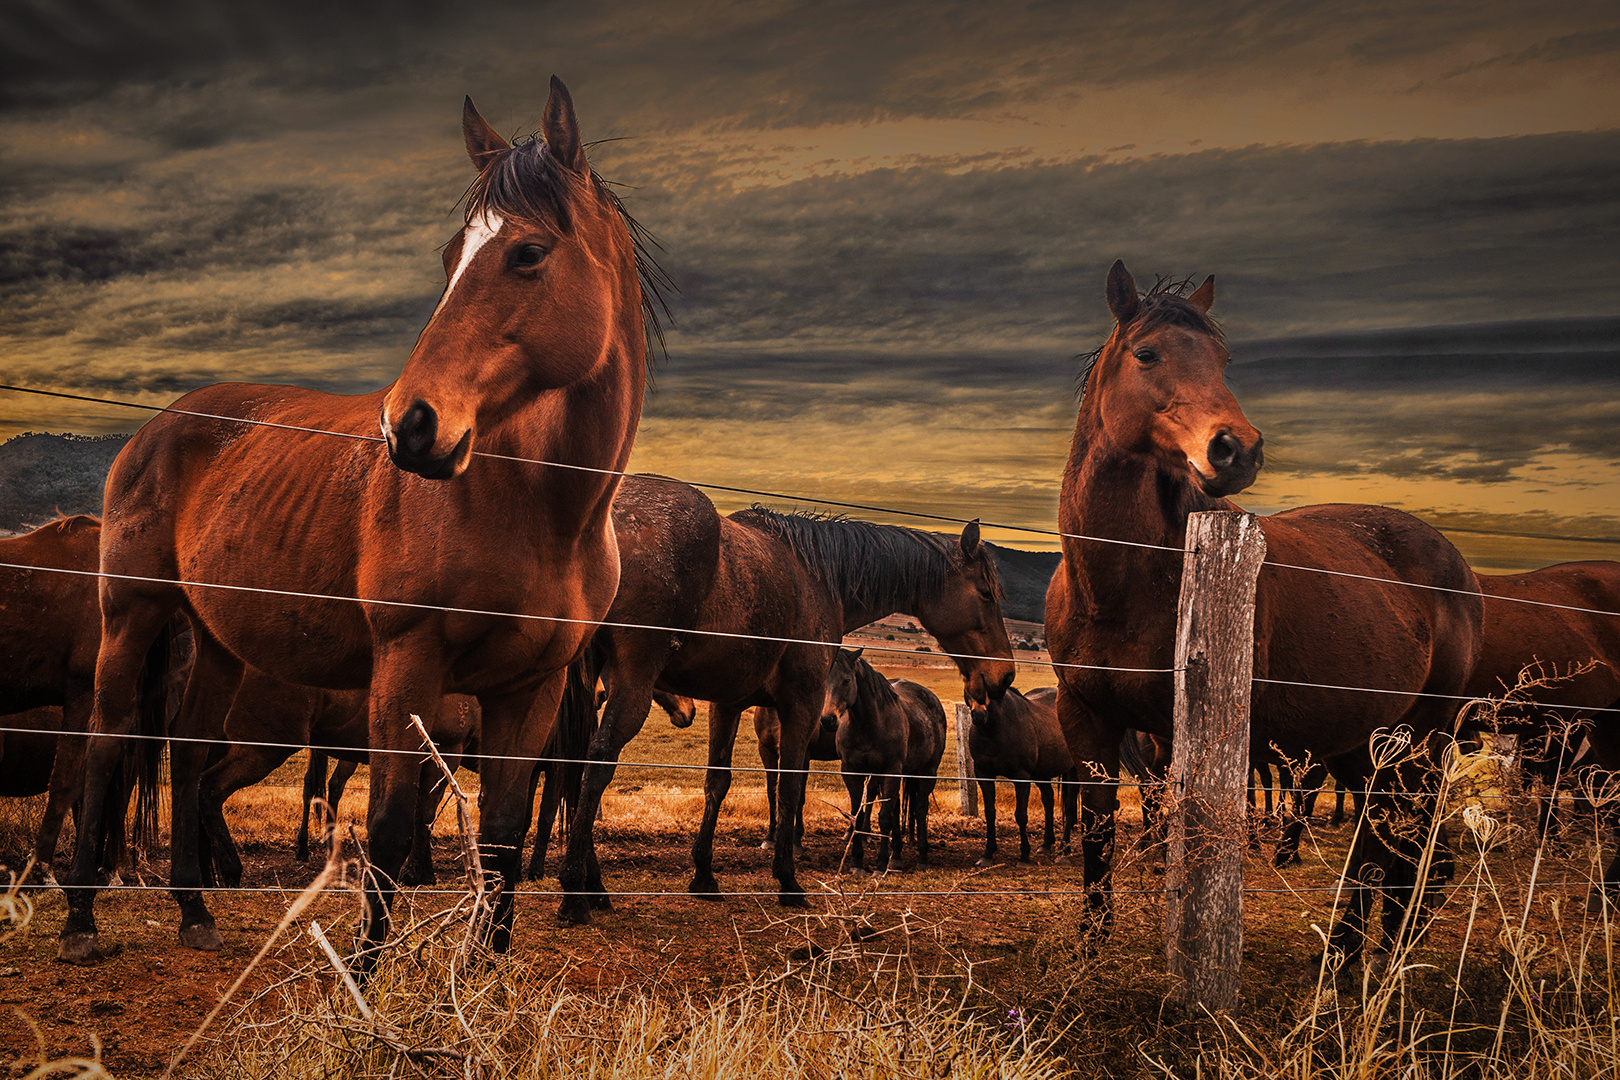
(1147,355)
(526,257)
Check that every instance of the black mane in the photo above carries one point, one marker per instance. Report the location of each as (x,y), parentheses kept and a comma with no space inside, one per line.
(878,566)
(527,182)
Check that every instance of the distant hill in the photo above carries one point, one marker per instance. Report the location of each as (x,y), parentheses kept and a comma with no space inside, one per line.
(1024,577)
(41,474)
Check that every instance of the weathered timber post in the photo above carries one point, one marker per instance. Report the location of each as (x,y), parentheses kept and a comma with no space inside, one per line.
(1209,769)
(964,762)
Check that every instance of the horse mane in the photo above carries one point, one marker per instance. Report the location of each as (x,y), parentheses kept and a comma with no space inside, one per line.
(525,181)
(66,523)
(875,691)
(882,566)
(1165,304)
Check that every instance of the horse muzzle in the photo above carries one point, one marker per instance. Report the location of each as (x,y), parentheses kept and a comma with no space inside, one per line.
(413,440)
(1233,465)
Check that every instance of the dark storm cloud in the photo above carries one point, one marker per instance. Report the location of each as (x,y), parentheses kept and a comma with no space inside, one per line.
(766,65)
(926,262)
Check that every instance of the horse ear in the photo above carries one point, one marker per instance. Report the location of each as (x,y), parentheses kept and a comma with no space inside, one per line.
(1203,297)
(482,142)
(1122,298)
(855,654)
(561,129)
(970,539)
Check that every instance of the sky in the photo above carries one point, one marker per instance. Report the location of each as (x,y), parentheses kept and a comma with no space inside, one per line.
(889,225)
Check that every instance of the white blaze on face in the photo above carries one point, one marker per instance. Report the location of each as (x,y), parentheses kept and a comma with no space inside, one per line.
(475,236)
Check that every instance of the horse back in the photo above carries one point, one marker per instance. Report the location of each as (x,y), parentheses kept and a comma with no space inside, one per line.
(925,726)
(50,623)
(1363,625)
(1551,632)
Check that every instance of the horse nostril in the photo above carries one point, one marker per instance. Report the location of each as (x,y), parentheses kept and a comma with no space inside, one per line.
(418,429)
(1223,450)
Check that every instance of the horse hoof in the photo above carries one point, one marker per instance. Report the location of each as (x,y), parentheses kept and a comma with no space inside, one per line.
(79,948)
(1061,860)
(201,936)
(1596,900)
(704,888)
(601,902)
(1025,859)
(794,899)
(574,911)
(767,844)
(1282,859)
(985,861)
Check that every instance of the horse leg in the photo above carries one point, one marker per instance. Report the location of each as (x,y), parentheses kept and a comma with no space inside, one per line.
(131,621)
(628,703)
(342,773)
(770,758)
(987,796)
(243,764)
(406,680)
(67,778)
(1021,815)
(891,830)
(1045,789)
(432,785)
(1094,745)
(515,731)
(860,820)
(799,714)
(917,799)
(1069,791)
(550,773)
(314,781)
(723,720)
(1299,804)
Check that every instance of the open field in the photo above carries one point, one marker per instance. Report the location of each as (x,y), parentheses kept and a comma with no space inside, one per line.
(1001,945)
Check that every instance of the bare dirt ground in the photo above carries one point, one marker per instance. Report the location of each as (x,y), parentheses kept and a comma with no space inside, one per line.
(143,1002)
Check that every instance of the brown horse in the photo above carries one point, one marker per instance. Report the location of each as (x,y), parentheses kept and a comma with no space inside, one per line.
(1018,737)
(768,734)
(1158,437)
(270,719)
(1552,640)
(757,602)
(50,629)
(537,351)
(890,736)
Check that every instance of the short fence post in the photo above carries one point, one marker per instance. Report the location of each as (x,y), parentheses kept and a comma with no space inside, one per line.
(1209,770)
(964,762)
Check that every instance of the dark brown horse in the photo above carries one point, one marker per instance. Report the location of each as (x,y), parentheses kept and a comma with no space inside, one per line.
(50,629)
(1018,737)
(1552,640)
(270,719)
(756,602)
(1158,437)
(768,734)
(890,736)
(537,351)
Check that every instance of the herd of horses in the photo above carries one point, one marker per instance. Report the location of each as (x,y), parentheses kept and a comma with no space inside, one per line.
(489,566)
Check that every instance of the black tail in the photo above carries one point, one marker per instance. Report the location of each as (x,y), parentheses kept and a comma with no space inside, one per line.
(576,726)
(143,763)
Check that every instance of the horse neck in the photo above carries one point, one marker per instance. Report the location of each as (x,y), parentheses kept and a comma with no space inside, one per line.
(875,699)
(1116,495)
(590,425)
(859,611)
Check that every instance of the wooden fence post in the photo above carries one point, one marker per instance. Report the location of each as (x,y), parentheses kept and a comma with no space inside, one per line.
(1209,769)
(964,762)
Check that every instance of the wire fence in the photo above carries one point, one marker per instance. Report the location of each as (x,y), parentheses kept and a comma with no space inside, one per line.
(788,497)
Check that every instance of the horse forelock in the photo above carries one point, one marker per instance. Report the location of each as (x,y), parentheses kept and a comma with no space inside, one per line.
(527,182)
(869,564)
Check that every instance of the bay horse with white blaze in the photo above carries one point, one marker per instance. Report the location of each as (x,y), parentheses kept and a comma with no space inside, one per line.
(537,351)
(1159,436)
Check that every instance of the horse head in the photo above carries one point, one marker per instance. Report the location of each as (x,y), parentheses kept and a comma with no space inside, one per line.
(1157,387)
(965,617)
(841,688)
(542,292)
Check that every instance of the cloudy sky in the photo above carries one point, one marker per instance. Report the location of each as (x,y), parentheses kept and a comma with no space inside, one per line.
(889,225)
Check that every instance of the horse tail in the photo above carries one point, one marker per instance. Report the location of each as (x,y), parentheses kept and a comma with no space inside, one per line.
(1130,756)
(576,726)
(143,762)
